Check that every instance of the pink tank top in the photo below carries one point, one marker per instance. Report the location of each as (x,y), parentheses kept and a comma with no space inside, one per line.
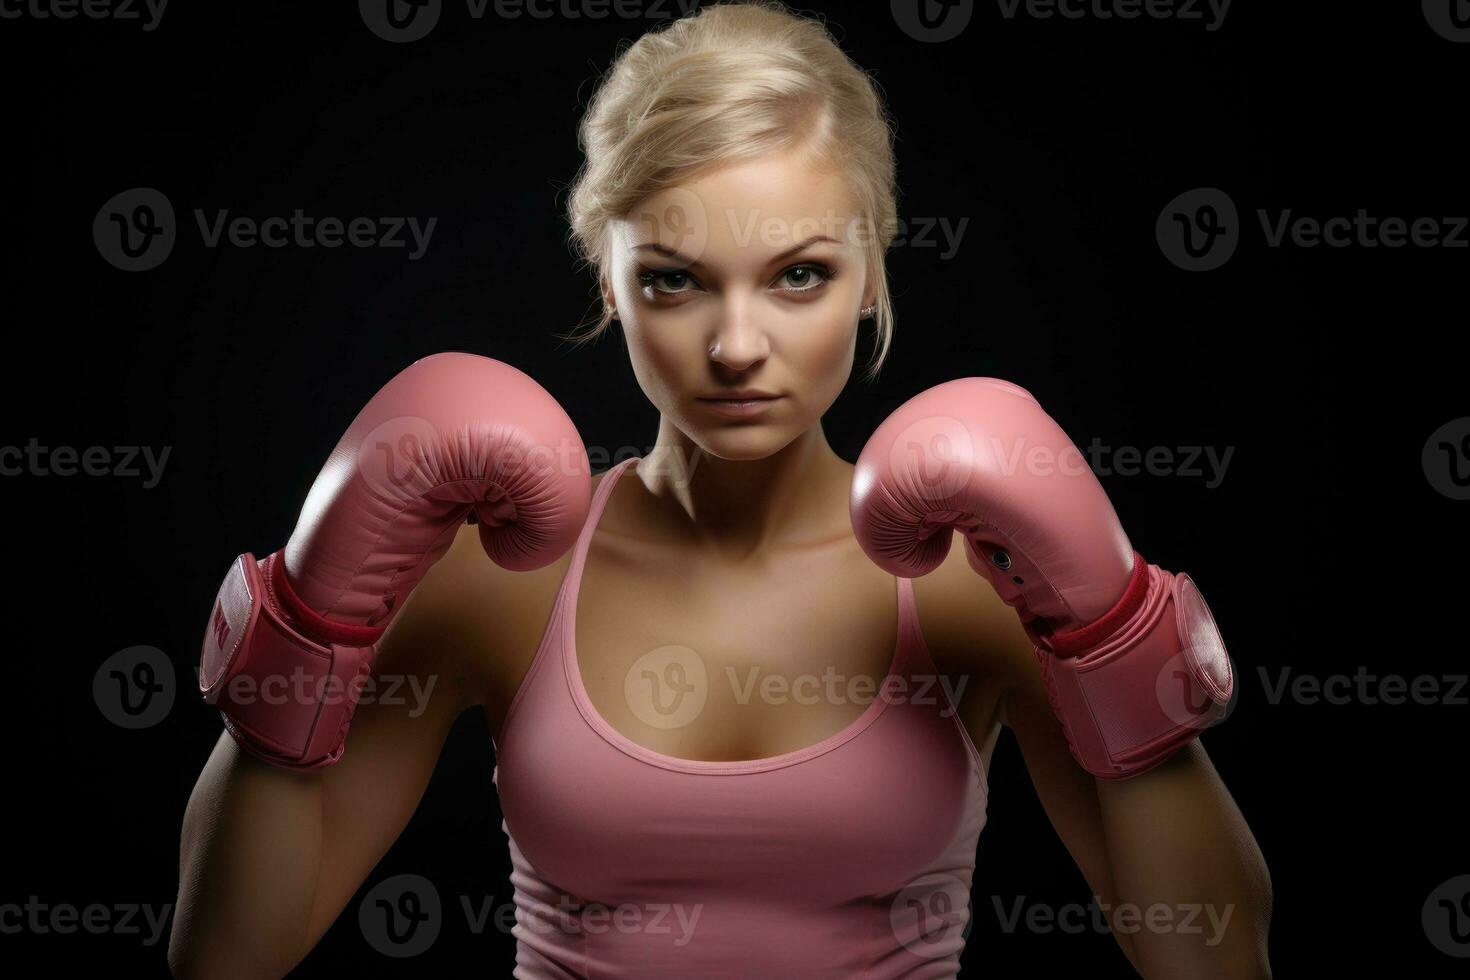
(849,858)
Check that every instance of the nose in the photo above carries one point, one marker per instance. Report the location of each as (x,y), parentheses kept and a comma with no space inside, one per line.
(739,343)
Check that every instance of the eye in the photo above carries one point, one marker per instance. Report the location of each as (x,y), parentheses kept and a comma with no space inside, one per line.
(666,281)
(805,278)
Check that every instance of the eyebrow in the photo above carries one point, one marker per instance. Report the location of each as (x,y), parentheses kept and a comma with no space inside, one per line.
(677,257)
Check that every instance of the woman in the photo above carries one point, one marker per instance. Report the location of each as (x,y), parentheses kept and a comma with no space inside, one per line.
(697,775)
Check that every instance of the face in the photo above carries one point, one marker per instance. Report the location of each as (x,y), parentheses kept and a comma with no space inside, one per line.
(738,294)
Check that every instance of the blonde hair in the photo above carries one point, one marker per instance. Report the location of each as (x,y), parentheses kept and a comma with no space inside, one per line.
(735,81)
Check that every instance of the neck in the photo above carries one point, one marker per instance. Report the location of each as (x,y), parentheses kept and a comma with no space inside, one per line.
(737,508)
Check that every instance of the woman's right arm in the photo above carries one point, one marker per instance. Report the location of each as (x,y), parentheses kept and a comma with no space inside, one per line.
(270,856)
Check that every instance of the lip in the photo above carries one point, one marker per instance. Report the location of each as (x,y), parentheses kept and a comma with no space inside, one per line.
(741,405)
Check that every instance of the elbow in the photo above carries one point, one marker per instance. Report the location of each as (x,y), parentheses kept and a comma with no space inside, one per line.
(183,963)
(190,959)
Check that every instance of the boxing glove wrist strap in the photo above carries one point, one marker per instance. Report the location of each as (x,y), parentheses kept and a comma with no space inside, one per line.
(1068,642)
(285,679)
(1141,682)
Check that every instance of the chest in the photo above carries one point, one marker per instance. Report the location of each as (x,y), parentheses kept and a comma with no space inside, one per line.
(703,660)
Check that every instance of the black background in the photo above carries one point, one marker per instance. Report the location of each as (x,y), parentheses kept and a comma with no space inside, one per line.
(1324,550)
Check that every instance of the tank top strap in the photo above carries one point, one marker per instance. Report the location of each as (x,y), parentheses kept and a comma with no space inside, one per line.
(907,610)
(594,516)
(910,634)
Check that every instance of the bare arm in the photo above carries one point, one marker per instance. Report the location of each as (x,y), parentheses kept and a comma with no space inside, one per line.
(269,857)
(1167,850)
(1171,840)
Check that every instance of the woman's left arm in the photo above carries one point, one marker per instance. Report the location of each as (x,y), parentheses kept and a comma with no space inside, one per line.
(1167,849)
(1177,842)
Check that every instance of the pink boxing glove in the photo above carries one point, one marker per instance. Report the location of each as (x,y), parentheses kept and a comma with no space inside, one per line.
(1130,654)
(291,638)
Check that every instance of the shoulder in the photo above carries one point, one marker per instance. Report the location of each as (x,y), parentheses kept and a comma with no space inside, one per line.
(477,620)
(969,630)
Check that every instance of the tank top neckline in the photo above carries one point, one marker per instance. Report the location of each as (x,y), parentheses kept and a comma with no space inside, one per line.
(642,753)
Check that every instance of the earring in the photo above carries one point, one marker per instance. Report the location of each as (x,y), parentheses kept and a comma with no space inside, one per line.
(866,312)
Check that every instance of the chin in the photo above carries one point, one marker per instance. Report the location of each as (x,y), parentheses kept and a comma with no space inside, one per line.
(742,441)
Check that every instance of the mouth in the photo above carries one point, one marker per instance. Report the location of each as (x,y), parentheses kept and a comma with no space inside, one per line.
(741,406)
